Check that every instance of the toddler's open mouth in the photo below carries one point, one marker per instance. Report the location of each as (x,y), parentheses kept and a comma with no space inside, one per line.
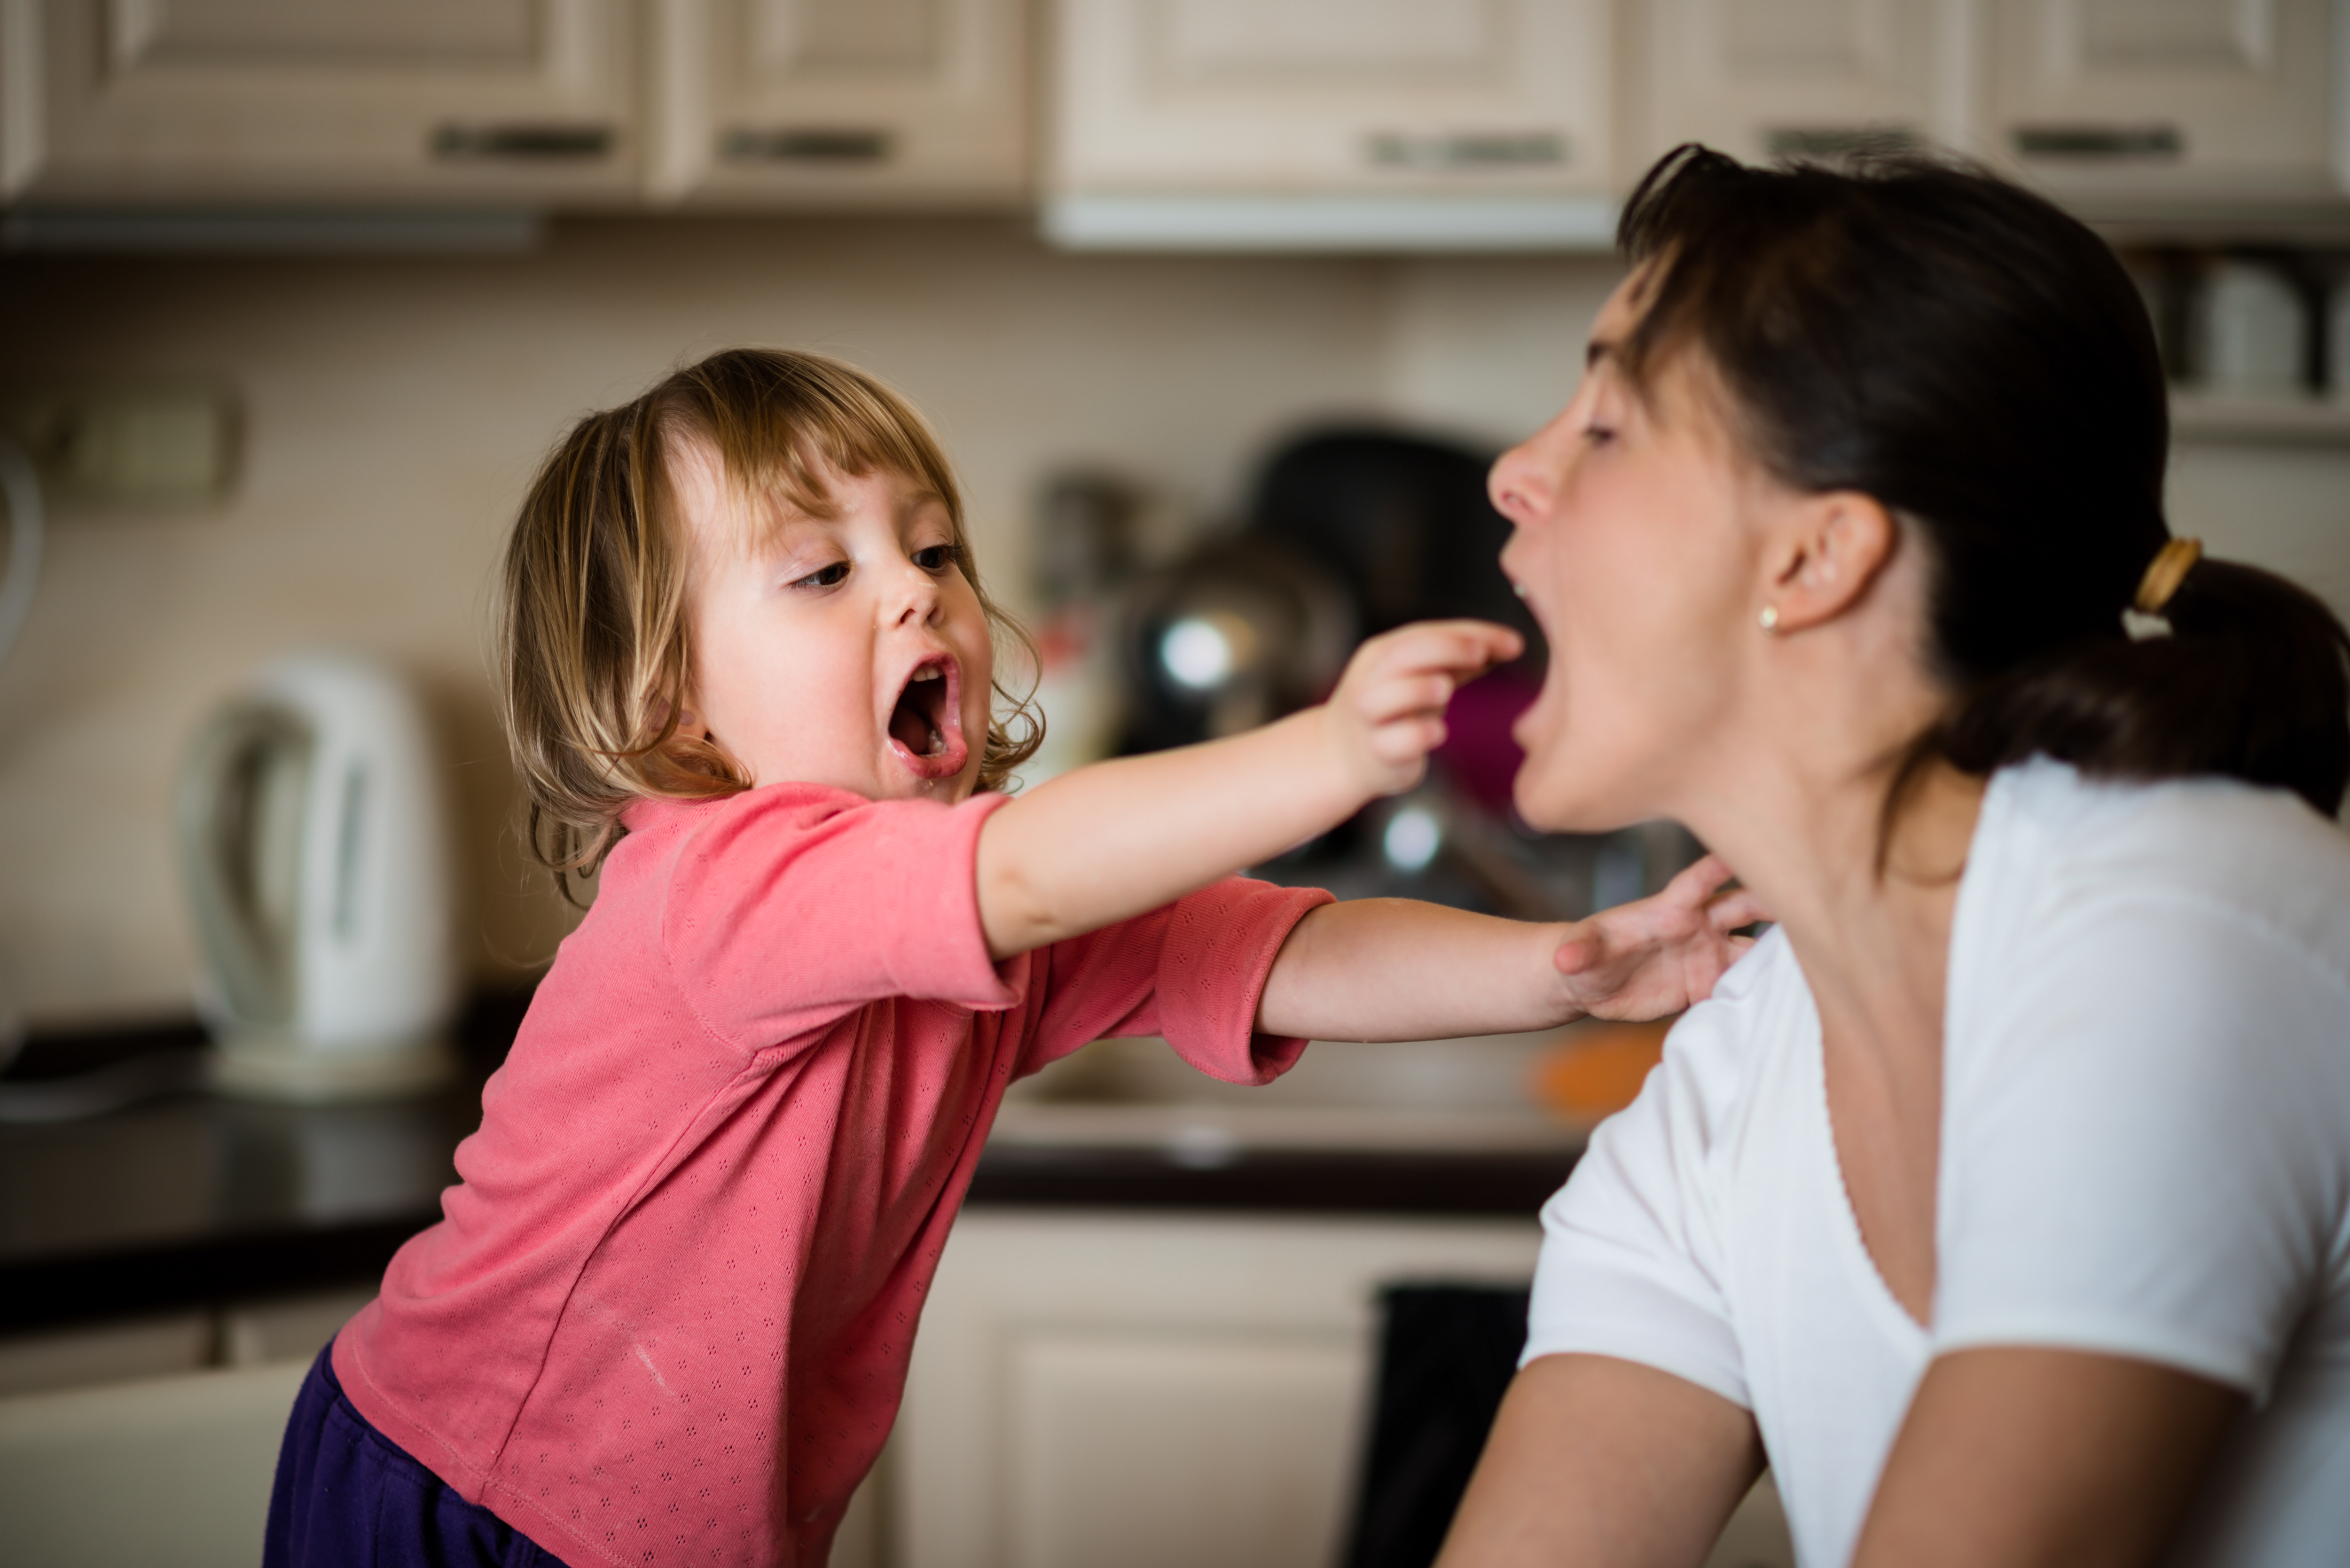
(926,724)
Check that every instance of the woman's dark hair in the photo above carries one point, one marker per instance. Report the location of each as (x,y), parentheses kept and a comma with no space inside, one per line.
(1981,364)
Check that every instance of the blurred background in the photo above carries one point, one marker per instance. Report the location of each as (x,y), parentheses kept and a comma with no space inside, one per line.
(1222,306)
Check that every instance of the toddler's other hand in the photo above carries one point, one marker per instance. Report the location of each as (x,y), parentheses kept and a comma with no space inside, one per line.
(1387,713)
(1662,954)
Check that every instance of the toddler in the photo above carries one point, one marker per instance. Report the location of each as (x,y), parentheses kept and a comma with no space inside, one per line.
(749,673)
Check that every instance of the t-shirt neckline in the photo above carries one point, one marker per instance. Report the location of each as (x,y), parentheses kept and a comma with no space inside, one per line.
(1906,1330)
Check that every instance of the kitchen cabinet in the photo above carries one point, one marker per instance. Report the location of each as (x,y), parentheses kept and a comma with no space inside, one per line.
(1361,125)
(2119,105)
(167,1469)
(1766,78)
(2226,100)
(457,101)
(1207,111)
(779,103)
(1147,1389)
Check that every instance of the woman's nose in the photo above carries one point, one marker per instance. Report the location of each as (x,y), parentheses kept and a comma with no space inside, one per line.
(1522,485)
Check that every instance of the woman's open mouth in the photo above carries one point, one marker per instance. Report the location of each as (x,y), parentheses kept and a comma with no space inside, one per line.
(926,723)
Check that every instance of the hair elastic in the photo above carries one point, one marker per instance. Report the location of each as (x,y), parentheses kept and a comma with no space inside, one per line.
(2169,568)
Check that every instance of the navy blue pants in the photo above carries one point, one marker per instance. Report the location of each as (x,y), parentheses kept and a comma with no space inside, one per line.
(348,1497)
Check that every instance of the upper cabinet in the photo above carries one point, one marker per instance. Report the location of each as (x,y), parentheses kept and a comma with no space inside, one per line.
(1768,78)
(1231,100)
(1158,124)
(304,100)
(2120,106)
(760,102)
(2157,99)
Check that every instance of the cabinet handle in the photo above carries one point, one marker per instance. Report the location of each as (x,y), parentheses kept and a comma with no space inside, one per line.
(457,143)
(2101,143)
(805,144)
(1840,140)
(1464,149)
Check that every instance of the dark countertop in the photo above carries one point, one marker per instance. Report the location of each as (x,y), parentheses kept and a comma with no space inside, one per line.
(194,1198)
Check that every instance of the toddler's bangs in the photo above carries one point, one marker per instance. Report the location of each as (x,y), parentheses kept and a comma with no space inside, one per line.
(782,425)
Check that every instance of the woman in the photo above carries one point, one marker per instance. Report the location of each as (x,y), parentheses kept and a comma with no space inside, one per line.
(2001,1195)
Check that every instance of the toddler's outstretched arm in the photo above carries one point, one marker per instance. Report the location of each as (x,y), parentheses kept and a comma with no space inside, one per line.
(1390,969)
(1109,841)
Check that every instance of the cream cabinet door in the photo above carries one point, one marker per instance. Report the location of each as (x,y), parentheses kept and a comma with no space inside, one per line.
(768,102)
(1331,96)
(1765,78)
(298,100)
(1153,1390)
(2222,98)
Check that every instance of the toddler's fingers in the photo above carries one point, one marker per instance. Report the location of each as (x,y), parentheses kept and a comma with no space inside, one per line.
(1407,741)
(1701,880)
(1739,908)
(1451,645)
(1393,699)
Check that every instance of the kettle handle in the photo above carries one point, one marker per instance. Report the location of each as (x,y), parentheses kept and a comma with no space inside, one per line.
(254,971)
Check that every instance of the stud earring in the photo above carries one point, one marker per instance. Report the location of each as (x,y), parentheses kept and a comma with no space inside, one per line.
(1770,618)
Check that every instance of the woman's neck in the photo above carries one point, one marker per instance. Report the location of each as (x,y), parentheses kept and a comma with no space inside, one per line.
(1871,928)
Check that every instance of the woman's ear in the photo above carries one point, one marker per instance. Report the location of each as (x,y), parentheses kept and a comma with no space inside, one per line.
(1832,546)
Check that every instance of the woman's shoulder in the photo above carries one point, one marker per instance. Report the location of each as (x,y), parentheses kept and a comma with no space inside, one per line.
(1761,1010)
(2218,847)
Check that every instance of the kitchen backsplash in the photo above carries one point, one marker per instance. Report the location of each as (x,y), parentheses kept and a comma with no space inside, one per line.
(393,409)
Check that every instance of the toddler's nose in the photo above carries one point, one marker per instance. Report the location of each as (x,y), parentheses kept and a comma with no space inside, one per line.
(914,596)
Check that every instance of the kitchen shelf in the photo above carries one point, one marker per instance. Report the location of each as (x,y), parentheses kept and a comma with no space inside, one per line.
(2290,422)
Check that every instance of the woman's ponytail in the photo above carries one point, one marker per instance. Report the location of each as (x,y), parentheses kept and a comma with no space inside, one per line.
(2250,679)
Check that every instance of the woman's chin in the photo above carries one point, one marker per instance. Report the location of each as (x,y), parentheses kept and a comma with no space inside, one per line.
(1555,800)
(1539,803)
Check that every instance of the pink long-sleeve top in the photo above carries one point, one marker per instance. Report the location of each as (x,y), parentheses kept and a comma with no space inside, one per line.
(667,1312)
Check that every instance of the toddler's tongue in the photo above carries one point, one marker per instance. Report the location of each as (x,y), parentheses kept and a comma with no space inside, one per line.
(910,723)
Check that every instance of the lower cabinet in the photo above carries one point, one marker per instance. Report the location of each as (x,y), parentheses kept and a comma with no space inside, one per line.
(154,1440)
(1151,1389)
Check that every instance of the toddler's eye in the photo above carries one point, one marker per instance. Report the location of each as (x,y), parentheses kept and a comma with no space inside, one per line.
(824,576)
(936,558)
(1598,435)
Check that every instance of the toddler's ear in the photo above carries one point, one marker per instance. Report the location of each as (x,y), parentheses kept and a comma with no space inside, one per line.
(690,726)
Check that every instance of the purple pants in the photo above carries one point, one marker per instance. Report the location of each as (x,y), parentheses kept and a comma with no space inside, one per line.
(348,1497)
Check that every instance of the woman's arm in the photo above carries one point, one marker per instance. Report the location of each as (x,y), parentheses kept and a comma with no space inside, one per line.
(2014,1458)
(1106,843)
(1390,969)
(1597,1462)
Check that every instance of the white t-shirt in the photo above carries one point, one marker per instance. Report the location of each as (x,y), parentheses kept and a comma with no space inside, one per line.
(2145,1152)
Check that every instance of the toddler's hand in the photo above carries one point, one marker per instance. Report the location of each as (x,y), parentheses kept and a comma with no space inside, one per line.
(1662,954)
(1387,713)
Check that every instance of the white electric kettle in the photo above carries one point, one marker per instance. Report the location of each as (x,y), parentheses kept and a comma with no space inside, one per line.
(313,834)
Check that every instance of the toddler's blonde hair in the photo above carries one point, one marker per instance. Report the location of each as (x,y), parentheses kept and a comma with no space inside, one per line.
(594,650)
